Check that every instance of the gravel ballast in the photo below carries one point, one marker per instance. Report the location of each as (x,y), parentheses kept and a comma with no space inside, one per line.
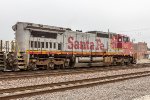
(123,90)
(22,82)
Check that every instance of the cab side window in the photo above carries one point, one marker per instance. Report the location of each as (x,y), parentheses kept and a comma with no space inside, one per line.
(59,46)
(31,43)
(42,43)
(50,44)
(54,45)
(46,44)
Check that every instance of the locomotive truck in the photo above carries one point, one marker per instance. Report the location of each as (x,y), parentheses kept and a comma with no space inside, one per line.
(40,46)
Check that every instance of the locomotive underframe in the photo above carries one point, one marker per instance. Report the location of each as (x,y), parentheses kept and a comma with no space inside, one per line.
(46,61)
(26,61)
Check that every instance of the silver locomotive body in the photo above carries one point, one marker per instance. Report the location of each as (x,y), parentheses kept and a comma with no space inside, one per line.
(48,46)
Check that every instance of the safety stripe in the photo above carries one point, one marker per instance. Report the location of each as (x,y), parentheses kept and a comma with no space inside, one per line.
(74,53)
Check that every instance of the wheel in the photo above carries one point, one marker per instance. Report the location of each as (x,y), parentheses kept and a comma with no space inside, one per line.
(127,63)
(134,61)
(62,66)
(122,63)
(50,65)
(32,67)
(15,68)
(72,62)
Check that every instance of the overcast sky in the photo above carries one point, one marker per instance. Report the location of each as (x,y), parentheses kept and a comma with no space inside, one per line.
(131,17)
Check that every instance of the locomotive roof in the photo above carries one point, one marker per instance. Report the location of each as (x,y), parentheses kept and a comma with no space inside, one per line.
(54,29)
(101,32)
(41,27)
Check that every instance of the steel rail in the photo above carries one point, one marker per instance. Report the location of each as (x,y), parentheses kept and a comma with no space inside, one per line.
(62,86)
(64,72)
(67,71)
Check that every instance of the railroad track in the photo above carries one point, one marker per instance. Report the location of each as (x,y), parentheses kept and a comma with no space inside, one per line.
(21,92)
(17,75)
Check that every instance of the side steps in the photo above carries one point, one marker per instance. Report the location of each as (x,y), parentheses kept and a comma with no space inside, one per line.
(2,60)
(21,61)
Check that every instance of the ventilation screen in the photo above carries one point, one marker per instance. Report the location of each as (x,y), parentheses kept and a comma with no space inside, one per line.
(44,34)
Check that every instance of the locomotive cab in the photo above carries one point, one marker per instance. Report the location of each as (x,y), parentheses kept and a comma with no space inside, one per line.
(122,40)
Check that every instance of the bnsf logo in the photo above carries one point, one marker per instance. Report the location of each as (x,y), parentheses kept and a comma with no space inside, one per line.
(85,45)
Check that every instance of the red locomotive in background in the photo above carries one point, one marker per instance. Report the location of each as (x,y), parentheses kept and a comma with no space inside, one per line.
(123,42)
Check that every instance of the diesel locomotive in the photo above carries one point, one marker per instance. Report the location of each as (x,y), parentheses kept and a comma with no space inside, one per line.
(40,46)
